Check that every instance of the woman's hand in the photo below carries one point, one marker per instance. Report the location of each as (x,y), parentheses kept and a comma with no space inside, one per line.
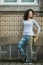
(35,37)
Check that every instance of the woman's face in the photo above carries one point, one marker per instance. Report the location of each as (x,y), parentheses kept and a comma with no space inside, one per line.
(30,14)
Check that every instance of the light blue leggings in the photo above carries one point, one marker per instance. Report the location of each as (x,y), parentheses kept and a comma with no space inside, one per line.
(26,39)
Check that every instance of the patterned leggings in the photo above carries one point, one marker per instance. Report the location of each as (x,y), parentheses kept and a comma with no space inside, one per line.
(26,39)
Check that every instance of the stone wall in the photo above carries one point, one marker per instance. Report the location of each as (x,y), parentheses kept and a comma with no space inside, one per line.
(41,5)
(20,7)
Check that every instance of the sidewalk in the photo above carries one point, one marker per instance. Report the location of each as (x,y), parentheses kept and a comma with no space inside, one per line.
(14,63)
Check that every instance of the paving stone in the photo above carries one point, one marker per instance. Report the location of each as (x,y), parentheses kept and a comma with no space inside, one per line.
(19,63)
(1,63)
(38,64)
(5,63)
(13,63)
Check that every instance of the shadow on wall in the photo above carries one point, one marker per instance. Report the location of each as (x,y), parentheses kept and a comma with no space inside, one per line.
(39,48)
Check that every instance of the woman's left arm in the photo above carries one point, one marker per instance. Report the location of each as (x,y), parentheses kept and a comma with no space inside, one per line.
(37,26)
(38,30)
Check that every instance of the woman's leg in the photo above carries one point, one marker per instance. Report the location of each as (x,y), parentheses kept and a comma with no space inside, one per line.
(20,44)
(29,48)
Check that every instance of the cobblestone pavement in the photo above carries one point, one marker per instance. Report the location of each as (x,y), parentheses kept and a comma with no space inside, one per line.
(14,63)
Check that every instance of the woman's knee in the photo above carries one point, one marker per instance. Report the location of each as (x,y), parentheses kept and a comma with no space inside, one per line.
(21,42)
(19,46)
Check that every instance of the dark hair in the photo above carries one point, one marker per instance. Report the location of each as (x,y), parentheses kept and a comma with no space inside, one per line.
(26,14)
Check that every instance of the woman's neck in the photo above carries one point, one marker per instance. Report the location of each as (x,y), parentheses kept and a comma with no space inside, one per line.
(29,18)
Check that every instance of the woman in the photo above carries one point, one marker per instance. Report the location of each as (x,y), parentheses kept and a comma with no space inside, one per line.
(28,34)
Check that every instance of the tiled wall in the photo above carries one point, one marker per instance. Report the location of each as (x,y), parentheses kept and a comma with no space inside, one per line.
(11,26)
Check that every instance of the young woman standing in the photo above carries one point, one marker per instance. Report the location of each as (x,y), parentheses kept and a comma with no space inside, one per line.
(28,34)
